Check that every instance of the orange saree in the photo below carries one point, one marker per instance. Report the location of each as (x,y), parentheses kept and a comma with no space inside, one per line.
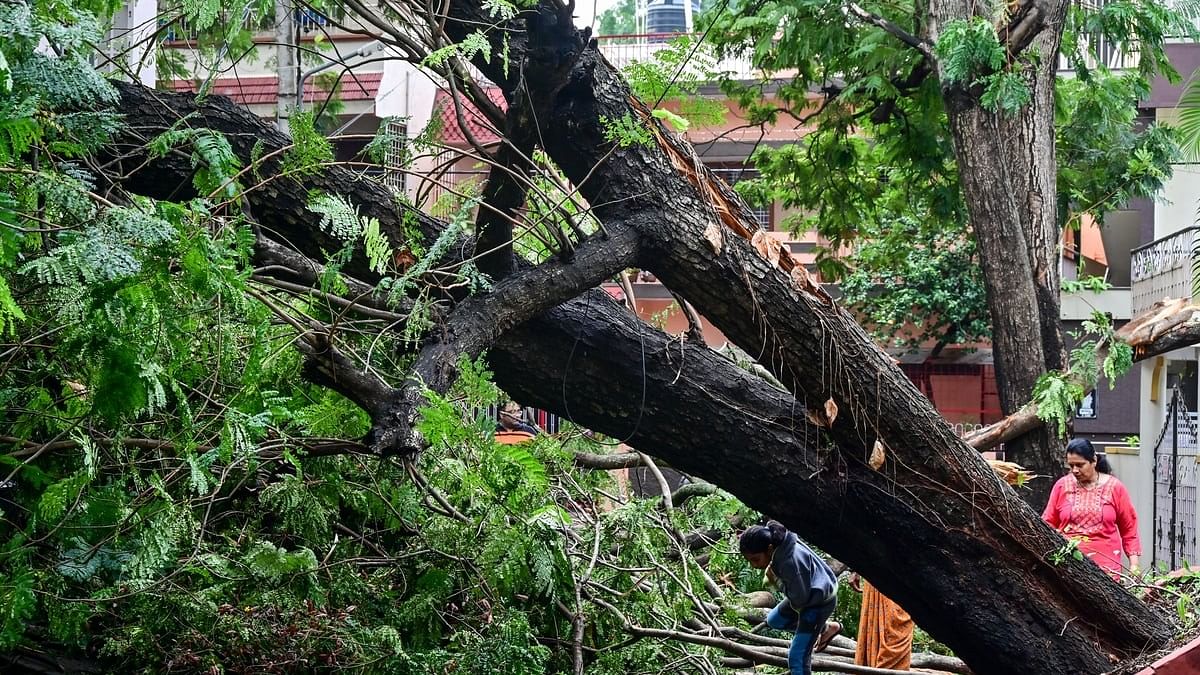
(885,632)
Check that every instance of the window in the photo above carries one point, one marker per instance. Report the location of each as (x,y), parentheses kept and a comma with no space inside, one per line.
(732,174)
(394,161)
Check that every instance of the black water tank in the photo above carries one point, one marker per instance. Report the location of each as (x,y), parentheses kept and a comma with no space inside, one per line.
(667,16)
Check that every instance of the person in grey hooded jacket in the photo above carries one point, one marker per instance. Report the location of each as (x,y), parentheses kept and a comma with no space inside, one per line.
(809,589)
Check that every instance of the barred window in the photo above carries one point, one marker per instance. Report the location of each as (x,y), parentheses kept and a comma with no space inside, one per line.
(733,174)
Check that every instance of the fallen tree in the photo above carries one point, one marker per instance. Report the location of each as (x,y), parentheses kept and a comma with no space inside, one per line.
(850,455)
(976,569)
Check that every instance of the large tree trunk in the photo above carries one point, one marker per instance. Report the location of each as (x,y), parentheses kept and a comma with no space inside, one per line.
(1007,171)
(1017,326)
(965,575)
(973,560)
(698,240)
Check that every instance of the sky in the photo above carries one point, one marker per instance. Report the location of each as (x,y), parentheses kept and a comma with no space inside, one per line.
(587,10)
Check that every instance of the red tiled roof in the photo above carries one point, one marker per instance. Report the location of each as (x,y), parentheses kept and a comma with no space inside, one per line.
(452,134)
(265,88)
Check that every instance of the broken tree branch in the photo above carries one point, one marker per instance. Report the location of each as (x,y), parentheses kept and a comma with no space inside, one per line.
(1168,325)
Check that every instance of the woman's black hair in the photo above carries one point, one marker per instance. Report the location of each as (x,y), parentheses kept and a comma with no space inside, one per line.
(1083,448)
(757,538)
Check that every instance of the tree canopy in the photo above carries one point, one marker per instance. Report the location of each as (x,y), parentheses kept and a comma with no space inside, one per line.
(247,386)
(877,176)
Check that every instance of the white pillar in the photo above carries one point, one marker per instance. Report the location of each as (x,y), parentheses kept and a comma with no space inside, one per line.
(287,59)
(143,24)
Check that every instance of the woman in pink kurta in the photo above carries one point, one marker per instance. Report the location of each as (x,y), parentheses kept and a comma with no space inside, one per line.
(1091,505)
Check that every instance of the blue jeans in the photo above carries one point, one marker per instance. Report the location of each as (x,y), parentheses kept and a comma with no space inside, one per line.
(807,625)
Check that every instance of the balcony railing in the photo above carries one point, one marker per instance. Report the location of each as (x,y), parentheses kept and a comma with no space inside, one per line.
(307,20)
(1163,268)
(623,50)
(1100,52)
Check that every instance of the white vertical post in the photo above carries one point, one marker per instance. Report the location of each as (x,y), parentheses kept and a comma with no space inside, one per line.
(142,27)
(287,58)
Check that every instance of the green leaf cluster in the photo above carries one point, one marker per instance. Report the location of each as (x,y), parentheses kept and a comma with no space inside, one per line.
(875,174)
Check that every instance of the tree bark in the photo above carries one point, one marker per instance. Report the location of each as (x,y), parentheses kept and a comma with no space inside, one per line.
(1018,345)
(1001,610)
(1007,172)
(974,558)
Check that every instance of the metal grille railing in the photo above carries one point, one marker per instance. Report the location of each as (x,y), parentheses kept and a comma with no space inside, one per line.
(394,176)
(624,50)
(1175,483)
(308,21)
(1163,269)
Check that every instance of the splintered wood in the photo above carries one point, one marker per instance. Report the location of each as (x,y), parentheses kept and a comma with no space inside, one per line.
(1163,317)
(729,212)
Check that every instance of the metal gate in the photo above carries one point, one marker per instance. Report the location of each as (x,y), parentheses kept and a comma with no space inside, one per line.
(1174,514)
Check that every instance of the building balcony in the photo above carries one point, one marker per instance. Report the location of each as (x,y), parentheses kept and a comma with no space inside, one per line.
(181,31)
(1098,52)
(1164,268)
(624,50)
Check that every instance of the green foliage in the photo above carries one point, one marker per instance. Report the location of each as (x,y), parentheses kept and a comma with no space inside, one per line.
(1117,362)
(298,509)
(674,76)
(550,206)
(17,604)
(876,175)
(474,44)
(386,138)
(1068,551)
(203,13)
(1091,284)
(626,131)
(216,166)
(57,498)
(310,149)
(899,274)
(620,19)
(10,312)
(104,251)
(1138,27)
(969,50)
(500,9)
(1057,397)
(1106,157)
(186,499)
(678,122)
(268,561)
(1006,92)
(340,218)
(1189,119)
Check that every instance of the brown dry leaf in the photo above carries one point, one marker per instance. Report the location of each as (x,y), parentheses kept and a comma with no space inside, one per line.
(802,278)
(774,251)
(878,455)
(816,418)
(831,411)
(404,259)
(712,234)
(767,246)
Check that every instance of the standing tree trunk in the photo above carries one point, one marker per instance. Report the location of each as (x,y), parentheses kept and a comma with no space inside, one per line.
(1008,174)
